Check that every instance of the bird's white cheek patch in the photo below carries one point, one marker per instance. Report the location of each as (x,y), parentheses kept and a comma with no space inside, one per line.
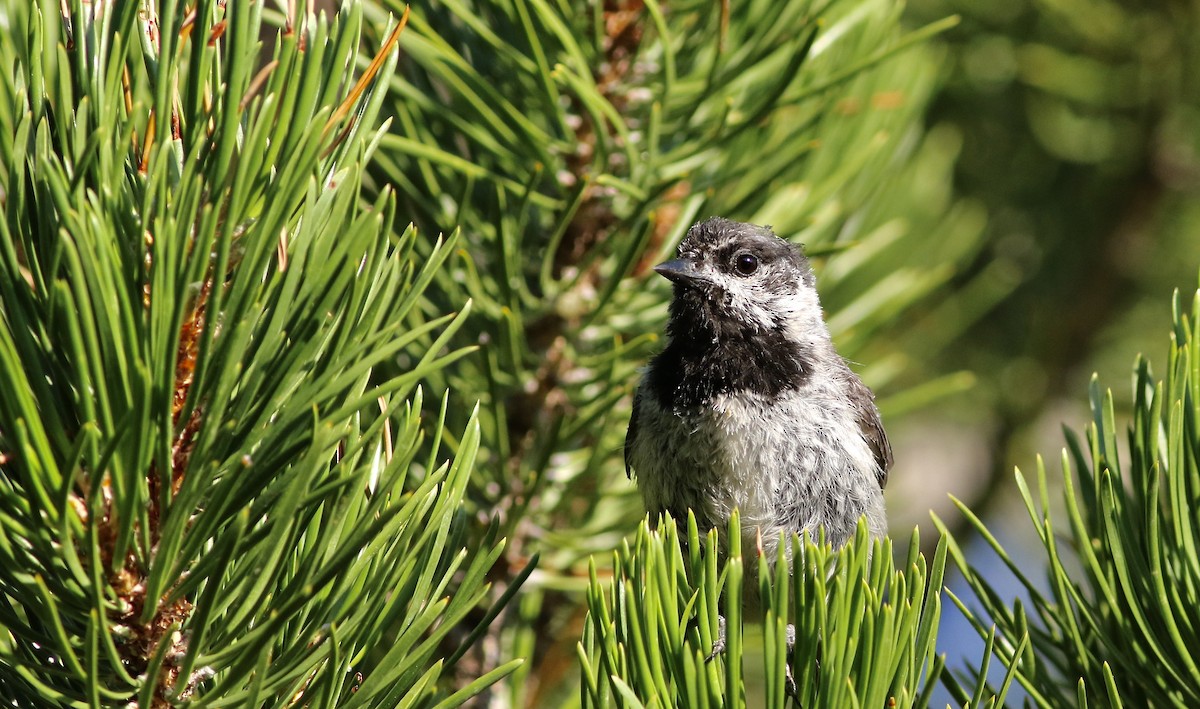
(746,304)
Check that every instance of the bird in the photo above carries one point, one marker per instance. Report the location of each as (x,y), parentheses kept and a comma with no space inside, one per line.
(749,405)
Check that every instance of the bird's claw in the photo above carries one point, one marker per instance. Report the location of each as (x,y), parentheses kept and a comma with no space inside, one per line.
(790,679)
(718,645)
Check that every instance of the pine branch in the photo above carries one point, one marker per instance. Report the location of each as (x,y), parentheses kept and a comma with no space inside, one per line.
(208,491)
(839,628)
(1121,557)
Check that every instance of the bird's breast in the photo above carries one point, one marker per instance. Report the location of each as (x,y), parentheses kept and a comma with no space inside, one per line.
(786,463)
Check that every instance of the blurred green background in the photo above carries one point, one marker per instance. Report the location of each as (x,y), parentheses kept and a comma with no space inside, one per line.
(1077,128)
(1078,134)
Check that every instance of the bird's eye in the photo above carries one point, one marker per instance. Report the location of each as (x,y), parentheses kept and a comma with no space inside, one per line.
(746,264)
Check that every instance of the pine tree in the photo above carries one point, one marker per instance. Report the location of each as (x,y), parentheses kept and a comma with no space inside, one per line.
(317,334)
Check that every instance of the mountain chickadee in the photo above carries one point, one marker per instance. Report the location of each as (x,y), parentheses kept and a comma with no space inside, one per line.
(749,405)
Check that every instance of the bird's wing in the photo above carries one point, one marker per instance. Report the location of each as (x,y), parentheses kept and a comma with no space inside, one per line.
(867,416)
(631,434)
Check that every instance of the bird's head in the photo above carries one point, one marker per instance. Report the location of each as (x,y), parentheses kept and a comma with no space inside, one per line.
(740,280)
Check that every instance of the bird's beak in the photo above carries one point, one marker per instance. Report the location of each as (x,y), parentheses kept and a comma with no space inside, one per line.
(680,271)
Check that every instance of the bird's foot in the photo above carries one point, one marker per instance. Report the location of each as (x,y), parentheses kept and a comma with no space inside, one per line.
(718,646)
(790,679)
